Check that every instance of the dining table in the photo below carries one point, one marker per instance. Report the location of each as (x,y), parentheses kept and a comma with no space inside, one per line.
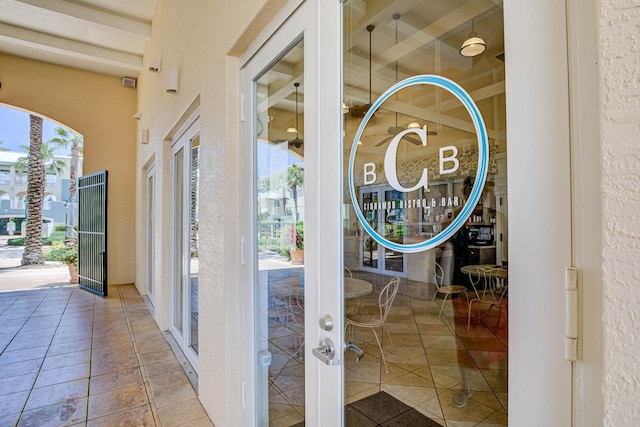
(479,270)
(356,287)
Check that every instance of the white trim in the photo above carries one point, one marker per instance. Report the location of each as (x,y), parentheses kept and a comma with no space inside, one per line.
(587,213)
(539,203)
(283,14)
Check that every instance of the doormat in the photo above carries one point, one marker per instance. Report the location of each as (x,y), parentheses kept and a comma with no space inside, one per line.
(383,410)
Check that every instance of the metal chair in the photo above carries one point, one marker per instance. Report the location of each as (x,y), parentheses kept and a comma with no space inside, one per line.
(447,290)
(376,320)
(492,293)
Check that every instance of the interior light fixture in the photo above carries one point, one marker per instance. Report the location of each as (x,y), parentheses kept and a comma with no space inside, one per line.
(413,125)
(474,45)
(345,108)
(295,129)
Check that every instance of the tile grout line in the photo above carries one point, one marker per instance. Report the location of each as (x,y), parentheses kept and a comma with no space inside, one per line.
(22,411)
(141,366)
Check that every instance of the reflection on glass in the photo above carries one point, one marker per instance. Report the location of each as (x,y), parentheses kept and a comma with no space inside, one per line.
(449,369)
(178,229)
(150,232)
(194,240)
(279,180)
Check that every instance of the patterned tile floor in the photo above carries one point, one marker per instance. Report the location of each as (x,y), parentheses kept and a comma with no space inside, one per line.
(433,357)
(69,358)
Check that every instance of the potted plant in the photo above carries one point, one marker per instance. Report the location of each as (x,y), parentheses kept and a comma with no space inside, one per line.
(70,257)
(297,253)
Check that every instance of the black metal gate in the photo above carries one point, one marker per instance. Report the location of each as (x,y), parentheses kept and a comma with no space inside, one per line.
(92,233)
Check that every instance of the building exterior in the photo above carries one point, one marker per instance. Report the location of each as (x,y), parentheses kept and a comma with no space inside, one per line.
(13,190)
(560,107)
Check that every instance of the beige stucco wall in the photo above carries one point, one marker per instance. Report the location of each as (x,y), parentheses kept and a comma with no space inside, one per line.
(101,109)
(197,40)
(620,114)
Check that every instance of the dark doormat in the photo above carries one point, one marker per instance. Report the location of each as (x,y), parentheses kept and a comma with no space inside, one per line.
(383,410)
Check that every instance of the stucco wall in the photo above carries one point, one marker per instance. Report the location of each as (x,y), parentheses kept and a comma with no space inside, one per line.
(620,62)
(197,41)
(101,109)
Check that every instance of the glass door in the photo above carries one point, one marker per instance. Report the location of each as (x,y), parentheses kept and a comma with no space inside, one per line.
(184,291)
(293,272)
(384,212)
(150,223)
(433,324)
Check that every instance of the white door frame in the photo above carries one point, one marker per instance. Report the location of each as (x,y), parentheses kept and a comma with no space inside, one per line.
(540,383)
(319,22)
(150,223)
(540,223)
(182,141)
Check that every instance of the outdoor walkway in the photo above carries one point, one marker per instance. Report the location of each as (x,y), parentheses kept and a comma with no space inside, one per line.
(70,358)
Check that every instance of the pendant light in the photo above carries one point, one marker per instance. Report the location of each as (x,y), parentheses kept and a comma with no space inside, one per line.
(370,29)
(474,45)
(296,142)
(295,129)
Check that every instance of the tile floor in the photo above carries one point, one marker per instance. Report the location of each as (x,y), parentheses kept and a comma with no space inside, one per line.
(432,358)
(69,358)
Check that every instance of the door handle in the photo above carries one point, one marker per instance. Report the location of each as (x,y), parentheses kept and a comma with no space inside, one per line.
(326,352)
(357,350)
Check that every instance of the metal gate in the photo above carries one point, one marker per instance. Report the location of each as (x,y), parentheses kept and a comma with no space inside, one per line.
(92,233)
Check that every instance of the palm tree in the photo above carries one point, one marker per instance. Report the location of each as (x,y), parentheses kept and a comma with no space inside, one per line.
(52,165)
(295,178)
(1,147)
(32,254)
(68,139)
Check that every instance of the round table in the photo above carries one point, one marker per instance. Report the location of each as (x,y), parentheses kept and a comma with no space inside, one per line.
(478,270)
(356,287)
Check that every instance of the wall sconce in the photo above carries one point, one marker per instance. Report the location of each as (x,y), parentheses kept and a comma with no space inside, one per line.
(154,66)
(171,84)
(137,115)
(144,136)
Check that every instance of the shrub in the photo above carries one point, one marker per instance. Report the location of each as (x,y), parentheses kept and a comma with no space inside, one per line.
(60,228)
(16,241)
(65,254)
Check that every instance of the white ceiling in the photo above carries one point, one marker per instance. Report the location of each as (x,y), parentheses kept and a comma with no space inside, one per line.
(105,36)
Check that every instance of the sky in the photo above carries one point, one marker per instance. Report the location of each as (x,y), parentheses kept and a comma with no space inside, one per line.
(14,129)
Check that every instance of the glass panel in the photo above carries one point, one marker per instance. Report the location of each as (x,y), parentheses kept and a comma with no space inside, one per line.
(425,353)
(194,206)
(150,231)
(178,238)
(279,180)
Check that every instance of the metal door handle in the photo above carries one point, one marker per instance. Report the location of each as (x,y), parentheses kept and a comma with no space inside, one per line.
(357,350)
(326,352)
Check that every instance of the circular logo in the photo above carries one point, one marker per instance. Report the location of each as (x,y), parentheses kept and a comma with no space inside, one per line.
(390,162)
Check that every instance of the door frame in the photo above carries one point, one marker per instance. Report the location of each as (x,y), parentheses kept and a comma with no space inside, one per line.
(530,399)
(318,21)
(150,223)
(182,141)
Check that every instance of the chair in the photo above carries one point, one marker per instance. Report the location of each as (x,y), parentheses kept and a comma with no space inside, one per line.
(492,293)
(447,290)
(376,320)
